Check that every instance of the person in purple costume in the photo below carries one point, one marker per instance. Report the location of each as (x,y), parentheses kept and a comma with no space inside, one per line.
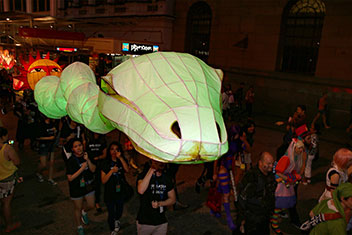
(224,170)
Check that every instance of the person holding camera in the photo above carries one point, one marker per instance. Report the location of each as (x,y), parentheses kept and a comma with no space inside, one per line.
(9,161)
(156,193)
(80,174)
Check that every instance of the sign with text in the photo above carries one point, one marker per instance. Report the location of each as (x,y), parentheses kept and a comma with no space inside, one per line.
(66,49)
(138,49)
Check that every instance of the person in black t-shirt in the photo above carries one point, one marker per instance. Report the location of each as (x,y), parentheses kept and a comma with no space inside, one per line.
(47,133)
(96,149)
(69,130)
(156,193)
(112,176)
(80,177)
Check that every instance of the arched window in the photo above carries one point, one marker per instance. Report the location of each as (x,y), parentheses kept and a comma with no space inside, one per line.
(301,27)
(198,30)
(41,5)
(17,5)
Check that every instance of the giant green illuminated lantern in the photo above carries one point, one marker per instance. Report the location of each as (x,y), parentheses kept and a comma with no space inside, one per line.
(167,103)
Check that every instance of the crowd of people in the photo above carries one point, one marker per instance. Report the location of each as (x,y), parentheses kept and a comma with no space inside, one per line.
(94,169)
(268,192)
(261,193)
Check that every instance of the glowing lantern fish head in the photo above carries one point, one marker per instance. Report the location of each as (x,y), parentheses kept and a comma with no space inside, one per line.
(169,104)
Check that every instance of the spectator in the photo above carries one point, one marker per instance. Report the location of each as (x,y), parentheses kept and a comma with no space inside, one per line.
(131,156)
(322,108)
(47,134)
(231,101)
(5,85)
(9,161)
(225,104)
(32,115)
(96,149)
(312,148)
(80,174)
(26,111)
(294,122)
(256,201)
(239,95)
(249,99)
(156,193)
(249,131)
(113,176)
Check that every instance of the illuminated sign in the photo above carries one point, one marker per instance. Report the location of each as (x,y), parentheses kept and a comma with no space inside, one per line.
(155,48)
(125,46)
(134,48)
(66,49)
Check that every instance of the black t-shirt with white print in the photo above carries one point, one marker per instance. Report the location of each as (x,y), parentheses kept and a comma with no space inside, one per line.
(157,190)
(113,187)
(78,186)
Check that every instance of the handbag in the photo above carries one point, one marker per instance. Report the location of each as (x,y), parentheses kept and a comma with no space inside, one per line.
(214,199)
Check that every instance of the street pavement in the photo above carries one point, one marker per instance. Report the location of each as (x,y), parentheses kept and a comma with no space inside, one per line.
(46,209)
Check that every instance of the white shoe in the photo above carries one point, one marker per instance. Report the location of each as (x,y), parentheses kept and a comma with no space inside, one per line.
(52,182)
(117,226)
(40,178)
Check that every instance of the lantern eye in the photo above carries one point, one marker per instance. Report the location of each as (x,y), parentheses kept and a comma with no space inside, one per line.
(176,129)
(219,131)
(56,70)
(36,70)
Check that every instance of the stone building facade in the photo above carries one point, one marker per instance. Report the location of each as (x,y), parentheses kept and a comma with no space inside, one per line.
(290,50)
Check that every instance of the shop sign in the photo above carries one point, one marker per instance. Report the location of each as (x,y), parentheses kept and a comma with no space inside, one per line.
(134,48)
(66,49)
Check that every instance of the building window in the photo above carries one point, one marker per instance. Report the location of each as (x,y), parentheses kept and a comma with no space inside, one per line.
(41,5)
(100,2)
(118,2)
(100,11)
(17,5)
(83,3)
(68,4)
(198,30)
(301,28)
(152,8)
(120,9)
(82,12)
